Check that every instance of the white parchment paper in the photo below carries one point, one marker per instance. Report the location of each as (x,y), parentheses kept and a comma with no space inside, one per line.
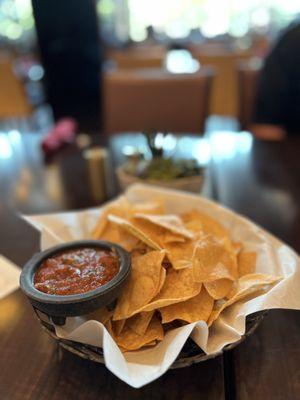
(141,367)
(9,277)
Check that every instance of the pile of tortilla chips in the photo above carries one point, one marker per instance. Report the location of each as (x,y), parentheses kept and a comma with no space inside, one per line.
(185,268)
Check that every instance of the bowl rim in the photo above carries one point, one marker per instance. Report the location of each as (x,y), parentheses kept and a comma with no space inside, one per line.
(31,266)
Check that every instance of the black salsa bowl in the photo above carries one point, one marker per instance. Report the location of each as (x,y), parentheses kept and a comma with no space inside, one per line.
(58,307)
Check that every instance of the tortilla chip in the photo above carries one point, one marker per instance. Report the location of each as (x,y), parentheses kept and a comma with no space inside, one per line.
(100,226)
(192,221)
(219,288)
(157,234)
(246,263)
(154,207)
(252,282)
(162,278)
(114,234)
(140,322)
(123,208)
(118,326)
(212,260)
(119,207)
(130,340)
(142,286)
(135,231)
(102,315)
(140,249)
(247,285)
(151,344)
(237,247)
(106,230)
(153,236)
(196,221)
(179,286)
(170,237)
(108,326)
(127,241)
(172,223)
(209,226)
(180,254)
(197,308)
(213,227)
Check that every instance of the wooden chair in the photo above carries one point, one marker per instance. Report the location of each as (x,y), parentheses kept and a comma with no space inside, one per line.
(13,101)
(224,91)
(248,73)
(141,57)
(156,100)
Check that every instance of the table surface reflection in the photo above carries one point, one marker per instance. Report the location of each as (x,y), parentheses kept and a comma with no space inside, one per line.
(257,179)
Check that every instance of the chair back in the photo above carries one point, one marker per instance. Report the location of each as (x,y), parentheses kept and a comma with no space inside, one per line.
(248,73)
(156,100)
(224,90)
(13,101)
(141,57)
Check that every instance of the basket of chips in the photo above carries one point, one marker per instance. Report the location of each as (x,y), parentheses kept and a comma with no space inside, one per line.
(201,277)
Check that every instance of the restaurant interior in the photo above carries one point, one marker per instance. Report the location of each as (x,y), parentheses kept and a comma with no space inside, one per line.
(197,96)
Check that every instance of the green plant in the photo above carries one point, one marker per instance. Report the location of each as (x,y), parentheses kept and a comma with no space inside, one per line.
(155,151)
(160,166)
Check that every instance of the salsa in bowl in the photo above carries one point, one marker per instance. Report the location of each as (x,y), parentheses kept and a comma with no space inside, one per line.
(75,278)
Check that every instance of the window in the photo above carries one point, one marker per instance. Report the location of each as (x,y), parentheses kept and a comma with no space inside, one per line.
(178,18)
(16,22)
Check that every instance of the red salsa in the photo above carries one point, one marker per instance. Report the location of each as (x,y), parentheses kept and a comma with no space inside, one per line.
(76,271)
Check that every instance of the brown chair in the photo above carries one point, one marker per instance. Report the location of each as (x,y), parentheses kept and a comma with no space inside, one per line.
(140,57)
(248,73)
(13,101)
(224,90)
(155,99)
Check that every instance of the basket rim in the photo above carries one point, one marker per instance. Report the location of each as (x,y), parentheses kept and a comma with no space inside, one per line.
(95,354)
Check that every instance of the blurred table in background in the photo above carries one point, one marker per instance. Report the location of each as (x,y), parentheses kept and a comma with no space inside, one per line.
(258,179)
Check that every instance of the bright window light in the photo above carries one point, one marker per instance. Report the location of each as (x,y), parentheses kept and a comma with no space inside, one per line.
(5,147)
(176,18)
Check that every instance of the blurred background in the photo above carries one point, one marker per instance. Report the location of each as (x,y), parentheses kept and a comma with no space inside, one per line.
(163,89)
(80,60)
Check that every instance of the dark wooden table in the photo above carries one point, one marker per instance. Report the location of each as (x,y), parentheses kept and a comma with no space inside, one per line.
(260,180)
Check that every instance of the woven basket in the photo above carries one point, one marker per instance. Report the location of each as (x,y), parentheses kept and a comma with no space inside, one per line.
(189,355)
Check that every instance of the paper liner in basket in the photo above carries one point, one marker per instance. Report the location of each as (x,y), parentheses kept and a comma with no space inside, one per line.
(141,367)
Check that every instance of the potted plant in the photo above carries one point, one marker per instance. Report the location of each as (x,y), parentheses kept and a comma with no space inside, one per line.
(161,169)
